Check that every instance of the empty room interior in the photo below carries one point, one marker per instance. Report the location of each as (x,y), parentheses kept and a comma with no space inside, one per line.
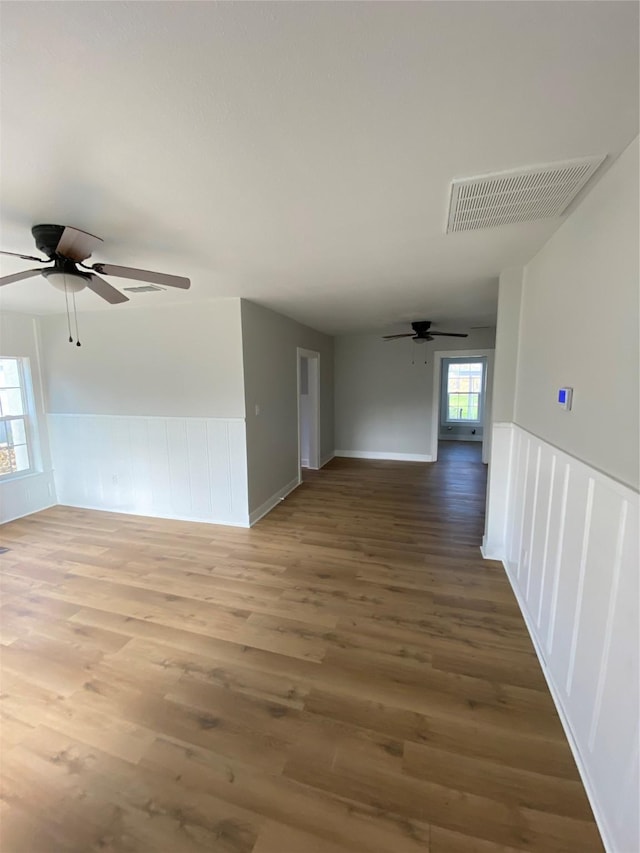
(319,427)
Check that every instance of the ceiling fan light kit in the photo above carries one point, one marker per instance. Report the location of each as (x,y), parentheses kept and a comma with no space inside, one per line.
(67,248)
(62,279)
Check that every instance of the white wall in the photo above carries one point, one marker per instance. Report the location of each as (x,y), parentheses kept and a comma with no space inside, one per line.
(270,343)
(176,360)
(563,501)
(35,491)
(147,416)
(383,401)
(579,327)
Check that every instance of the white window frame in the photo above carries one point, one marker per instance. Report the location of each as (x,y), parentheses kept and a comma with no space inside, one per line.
(444,397)
(28,416)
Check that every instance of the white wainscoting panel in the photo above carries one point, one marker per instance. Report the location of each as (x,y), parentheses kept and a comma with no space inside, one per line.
(571,554)
(24,495)
(187,468)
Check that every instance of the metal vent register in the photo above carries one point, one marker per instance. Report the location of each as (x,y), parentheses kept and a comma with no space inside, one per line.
(143,288)
(517,195)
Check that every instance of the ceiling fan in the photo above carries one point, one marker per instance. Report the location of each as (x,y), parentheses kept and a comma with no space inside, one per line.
(423,332)
(66,248)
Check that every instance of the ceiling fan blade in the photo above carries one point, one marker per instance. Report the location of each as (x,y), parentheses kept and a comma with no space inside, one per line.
(26,257)
(449,334)
(18,276)
(143,275)
(392,337)
(104,289)
(76,245)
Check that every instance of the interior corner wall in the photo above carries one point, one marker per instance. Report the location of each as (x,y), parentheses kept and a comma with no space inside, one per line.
(270,342)
(384,393)
(35,491)
(147,417)
(567,529)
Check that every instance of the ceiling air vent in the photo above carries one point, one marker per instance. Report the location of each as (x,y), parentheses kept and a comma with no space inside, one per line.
(143,288)
(518,195)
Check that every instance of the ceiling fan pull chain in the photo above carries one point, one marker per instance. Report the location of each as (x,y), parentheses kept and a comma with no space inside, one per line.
(75,316)
(66,299)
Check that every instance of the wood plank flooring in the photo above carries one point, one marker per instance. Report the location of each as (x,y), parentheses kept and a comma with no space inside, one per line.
(349,675)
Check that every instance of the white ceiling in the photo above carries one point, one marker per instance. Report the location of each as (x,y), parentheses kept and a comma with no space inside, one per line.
(300,154)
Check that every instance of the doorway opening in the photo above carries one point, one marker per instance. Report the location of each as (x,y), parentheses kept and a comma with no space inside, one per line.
(461,405)
(308,409)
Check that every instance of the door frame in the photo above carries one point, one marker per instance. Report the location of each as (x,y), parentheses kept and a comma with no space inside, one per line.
(314,394)
(435,400)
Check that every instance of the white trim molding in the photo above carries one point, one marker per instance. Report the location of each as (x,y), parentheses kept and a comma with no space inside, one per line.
(384,454)
(567,535)
(311,410)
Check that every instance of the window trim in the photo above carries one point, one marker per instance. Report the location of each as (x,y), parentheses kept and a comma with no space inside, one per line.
(28,416)
(445,420)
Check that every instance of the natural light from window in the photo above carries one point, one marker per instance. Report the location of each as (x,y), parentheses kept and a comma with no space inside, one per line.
(464,391)
(14,428)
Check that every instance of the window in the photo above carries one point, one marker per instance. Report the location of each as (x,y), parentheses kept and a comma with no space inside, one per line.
(463,380)
(15,449)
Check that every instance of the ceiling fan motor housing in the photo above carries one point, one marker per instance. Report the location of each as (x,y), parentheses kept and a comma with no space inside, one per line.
(47,238)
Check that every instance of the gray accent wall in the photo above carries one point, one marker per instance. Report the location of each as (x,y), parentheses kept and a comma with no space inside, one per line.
(269,343)
(383,400)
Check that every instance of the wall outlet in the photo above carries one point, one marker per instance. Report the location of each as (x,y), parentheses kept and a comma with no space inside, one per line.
(257,409)
(114,479)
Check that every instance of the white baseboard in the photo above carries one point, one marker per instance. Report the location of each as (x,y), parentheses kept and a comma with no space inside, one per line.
(564,719)
(326,459)
(389,455)
(147,514)
(273,501)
